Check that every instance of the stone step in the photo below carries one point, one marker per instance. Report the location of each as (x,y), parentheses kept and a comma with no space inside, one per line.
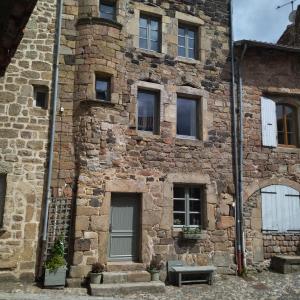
(124,266)
(130,276)
(74,282)
(285,264)
(115,289)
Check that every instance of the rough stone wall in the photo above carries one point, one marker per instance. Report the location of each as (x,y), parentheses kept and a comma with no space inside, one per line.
(273,74)
(23,142)
(113,156)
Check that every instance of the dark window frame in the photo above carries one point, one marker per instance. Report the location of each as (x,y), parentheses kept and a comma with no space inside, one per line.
(149,18)
(107,79)
(187,212)
(198,117)
(3,179)
(110,3)
(186,28)
(43,90)
(285,131)
(156,110)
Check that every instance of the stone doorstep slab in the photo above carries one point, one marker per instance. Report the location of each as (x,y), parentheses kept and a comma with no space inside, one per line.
(124,266)
(288,260)
(113,289)
(130,276)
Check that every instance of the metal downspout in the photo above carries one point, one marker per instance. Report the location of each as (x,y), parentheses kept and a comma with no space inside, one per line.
(238,247)
(241,152)
(54,109)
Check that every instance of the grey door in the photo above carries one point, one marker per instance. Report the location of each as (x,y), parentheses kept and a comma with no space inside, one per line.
(124,227)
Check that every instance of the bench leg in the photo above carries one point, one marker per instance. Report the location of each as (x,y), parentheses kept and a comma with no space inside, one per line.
(179,279)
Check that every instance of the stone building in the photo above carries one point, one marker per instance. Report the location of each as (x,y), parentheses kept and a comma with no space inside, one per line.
(143,134)
(270,86)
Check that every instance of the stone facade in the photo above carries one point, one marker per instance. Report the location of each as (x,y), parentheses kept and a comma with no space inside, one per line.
(112,156)
(272,73)
(23,142)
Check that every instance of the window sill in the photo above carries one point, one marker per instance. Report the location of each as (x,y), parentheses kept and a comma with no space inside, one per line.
(146,134)
(282,149)
(181,140)
(99,21)
(97,102)
(150,53)
(189,61)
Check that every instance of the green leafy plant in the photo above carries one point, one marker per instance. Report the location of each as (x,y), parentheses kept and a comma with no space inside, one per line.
(98,268)
(177,222)
(56,259)
(191,230)
(155,265)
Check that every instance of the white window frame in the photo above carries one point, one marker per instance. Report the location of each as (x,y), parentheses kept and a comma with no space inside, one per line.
(187,200)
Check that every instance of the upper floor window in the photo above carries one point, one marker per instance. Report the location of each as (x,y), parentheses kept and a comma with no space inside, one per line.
(187,117)
(187,204)
(2,197)
(102,88)
(40,95)
(108,9)
(187,41)
(149,37)
(286,124)
(148,111)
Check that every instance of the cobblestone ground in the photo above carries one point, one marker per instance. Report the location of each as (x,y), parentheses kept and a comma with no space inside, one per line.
(262,286)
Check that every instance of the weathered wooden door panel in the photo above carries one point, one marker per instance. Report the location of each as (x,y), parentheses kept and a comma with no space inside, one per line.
(124,227)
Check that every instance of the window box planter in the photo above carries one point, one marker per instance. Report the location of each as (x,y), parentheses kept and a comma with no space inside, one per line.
(192,236)
(96,278)
(56,278)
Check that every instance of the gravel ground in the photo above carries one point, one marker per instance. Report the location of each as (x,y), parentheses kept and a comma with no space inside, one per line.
(261,286)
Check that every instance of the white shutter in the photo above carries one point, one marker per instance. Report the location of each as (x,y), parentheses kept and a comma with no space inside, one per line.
(269,208)
(292,198)
(269,122)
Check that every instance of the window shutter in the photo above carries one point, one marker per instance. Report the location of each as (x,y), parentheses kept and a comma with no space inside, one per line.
(269,122)
(292,198)
(269,208)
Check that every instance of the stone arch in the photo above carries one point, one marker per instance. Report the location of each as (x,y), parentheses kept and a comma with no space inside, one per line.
(259,184)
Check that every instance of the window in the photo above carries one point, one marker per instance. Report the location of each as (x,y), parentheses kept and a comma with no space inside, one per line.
(148,111)
(102,88)
(187,203)
(40,96)
(149,33)
(280,208)
(187,117)
(108,10)
(286,124)
(187,41)
(2,197)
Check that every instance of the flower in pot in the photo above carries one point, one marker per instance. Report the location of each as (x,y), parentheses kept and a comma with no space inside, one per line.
(96,273)
(55,266)
(191,233)
(154,268)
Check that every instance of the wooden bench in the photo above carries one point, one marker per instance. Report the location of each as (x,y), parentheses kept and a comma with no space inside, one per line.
(180,271)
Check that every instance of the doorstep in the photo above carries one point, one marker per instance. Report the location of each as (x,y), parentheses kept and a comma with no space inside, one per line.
(124,266)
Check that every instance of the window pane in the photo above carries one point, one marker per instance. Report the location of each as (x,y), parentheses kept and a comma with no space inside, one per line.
(191,44)
(102,89)
(107,11)
(179,205)
(143,43)
(292,139)
(195,206)
(280,138)
(143,22)
(154,36)
(154,25)
(179,219)
(191,53)
(194,192)
(179,192)
(143,33)
(181,51)
(186,117)
(154,46)
(41,99)
(146,108)
(181,41)
(195,219)
(192,34)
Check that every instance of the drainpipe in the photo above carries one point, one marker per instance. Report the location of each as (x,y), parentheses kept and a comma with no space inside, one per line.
(241,152)
(238,246)
(55,74)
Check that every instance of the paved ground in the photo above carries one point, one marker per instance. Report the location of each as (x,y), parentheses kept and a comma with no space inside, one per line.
(262,286)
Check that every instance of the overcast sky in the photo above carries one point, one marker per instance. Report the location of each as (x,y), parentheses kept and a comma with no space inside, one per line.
(260,20)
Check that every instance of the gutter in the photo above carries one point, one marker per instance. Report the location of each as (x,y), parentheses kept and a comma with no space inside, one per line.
(54,100)
(236,162)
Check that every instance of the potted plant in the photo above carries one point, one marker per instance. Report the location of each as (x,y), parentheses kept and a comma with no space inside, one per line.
(55,266)
(96,273)
(191,233)
(154,269)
